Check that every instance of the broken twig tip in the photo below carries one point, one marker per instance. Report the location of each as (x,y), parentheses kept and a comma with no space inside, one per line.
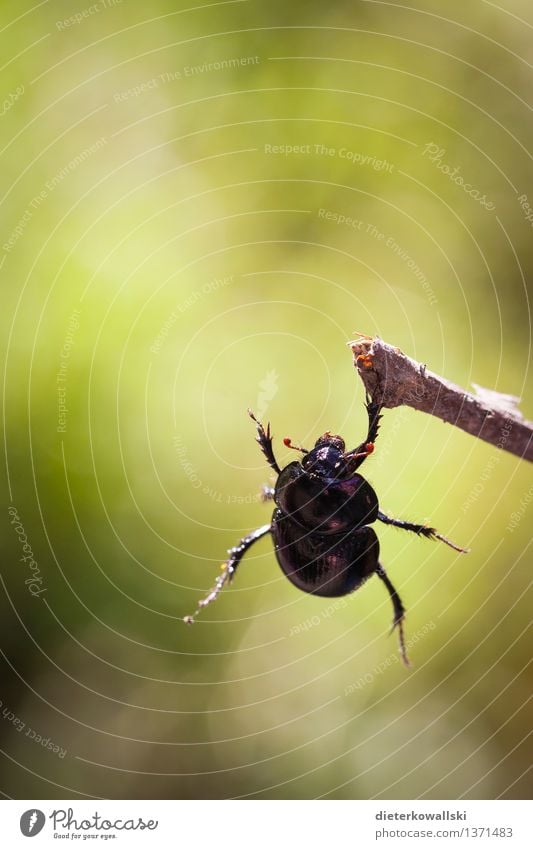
(399,380)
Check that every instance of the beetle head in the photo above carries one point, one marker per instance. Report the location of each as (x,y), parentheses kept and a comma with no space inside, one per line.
(327,457)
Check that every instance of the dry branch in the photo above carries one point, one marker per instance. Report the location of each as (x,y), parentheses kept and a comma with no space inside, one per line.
(391,378)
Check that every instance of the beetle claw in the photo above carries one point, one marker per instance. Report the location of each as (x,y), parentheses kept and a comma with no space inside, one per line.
(398,623)
(455,547)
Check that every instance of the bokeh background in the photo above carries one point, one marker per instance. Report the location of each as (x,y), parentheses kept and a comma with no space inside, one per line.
(201,205)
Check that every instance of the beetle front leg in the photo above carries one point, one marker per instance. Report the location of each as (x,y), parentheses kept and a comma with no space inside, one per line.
(265,442)
(374,416)
(399,611)
(421,530)
(228,568)
(359,454)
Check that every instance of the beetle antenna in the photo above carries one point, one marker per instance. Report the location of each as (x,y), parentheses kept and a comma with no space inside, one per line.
(288,442)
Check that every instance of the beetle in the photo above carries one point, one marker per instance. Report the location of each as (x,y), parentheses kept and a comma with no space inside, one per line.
(321,525)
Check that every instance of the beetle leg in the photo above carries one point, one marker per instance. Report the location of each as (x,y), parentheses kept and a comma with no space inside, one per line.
(424,530)
(399,611)
(228,568)
(374,416)
(359,454)
(265,442)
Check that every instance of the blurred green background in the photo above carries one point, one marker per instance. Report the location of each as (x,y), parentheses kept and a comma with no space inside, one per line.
(169,259)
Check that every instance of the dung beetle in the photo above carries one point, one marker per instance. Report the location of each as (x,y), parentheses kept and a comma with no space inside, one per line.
(321,524)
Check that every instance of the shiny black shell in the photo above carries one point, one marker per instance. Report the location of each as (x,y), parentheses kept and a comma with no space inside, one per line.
(324,504)
(320,527)
(320,564)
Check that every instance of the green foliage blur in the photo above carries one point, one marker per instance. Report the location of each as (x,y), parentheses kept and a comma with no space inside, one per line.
(200,207)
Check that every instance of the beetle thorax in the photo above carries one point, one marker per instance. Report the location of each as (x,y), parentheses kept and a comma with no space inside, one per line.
(325,461)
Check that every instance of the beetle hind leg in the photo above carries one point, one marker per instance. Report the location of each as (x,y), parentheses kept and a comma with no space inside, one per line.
(228,569)
(399,611)
(421,530)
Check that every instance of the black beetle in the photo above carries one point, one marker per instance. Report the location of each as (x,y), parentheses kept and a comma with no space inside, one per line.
(321,525)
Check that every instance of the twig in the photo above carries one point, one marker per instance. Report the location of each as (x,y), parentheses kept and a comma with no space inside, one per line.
(391,378)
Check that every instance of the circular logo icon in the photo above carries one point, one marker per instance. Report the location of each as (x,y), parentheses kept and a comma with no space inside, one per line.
(31,822)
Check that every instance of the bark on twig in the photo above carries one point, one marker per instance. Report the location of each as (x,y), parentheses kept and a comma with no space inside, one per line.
(392,379)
